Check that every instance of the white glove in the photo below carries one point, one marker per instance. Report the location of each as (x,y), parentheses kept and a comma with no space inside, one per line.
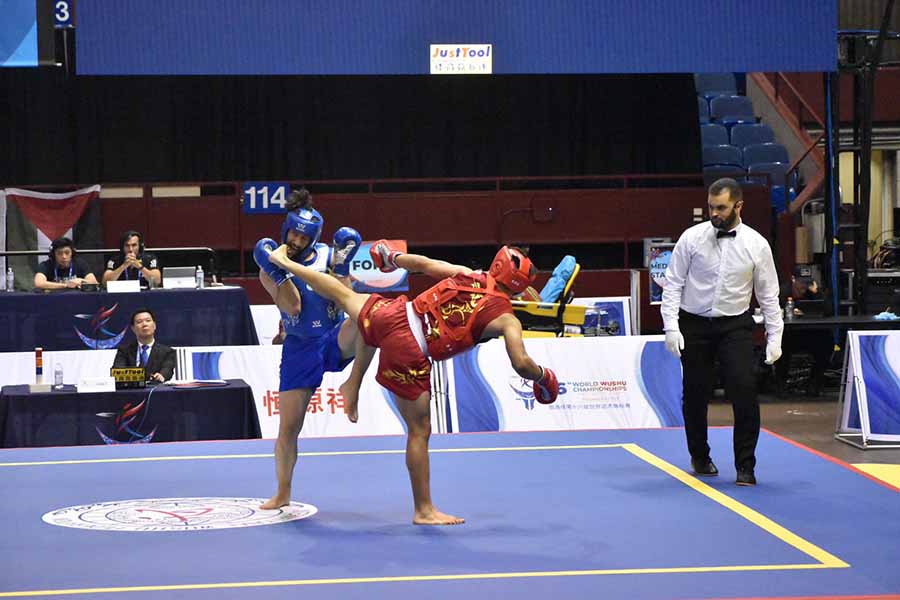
(773,353)
(674,343)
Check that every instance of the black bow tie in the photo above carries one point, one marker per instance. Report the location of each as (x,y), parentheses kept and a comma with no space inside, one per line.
(721,234)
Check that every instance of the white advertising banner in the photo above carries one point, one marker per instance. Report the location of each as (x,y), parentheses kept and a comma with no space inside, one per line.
(258,366)
(17,368)
(266,318)
(871,403)
(605,383)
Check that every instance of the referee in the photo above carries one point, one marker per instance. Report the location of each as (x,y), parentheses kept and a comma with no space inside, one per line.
(706,315)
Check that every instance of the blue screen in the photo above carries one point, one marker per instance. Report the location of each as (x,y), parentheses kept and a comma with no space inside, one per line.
(18,33)
(377,37)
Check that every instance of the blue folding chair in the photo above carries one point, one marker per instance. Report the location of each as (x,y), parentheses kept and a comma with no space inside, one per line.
(723,155)
(745,135)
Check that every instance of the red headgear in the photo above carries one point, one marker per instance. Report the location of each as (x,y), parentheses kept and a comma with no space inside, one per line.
(513,269)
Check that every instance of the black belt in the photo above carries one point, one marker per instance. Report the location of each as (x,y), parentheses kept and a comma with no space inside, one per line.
(683,313)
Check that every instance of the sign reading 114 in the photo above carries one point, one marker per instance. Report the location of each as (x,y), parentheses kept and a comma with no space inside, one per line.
(264,197)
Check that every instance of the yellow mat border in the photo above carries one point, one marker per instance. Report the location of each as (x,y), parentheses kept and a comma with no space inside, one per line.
(825,560)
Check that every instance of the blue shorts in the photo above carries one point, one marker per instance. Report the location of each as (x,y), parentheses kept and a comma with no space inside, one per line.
(305,360)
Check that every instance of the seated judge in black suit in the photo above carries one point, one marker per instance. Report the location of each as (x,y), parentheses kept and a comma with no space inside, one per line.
(158,359)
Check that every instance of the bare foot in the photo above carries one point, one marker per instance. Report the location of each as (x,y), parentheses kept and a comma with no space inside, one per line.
(351,400)
(276,501)
(436,517)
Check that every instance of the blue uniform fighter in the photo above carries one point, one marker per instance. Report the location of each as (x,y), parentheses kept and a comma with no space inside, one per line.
(318,337)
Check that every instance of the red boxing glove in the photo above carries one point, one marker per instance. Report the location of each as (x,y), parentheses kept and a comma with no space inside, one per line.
(384,255)
(546,389)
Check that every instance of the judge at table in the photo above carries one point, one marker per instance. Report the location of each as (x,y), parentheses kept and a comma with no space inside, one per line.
(158,359)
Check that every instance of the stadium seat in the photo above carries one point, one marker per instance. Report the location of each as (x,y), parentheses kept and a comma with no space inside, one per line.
(722,155)
(731,110)
(713,134)
(765,153)
(714,172)
(710,85)
(745,135)
(703,109)
(775,170)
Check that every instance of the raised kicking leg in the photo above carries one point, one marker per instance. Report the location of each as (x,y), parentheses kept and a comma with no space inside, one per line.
(323,284)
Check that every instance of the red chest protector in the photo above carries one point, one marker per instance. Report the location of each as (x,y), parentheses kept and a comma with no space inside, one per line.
(450,309)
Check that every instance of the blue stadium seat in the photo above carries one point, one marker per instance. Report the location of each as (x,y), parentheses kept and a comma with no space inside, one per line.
(713,172)
(710,85)
(703,109)
(713,134)
(776,171)
(731,110)
(780,200)
(723,154)
(765,153)
(745,135)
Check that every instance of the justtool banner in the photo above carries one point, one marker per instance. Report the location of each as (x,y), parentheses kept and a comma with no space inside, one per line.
(605,383)
(374,37)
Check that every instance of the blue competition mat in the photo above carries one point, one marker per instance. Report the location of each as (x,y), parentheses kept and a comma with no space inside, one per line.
(572,514)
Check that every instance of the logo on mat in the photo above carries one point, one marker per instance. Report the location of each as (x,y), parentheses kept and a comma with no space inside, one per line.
(176,514)
(97,327)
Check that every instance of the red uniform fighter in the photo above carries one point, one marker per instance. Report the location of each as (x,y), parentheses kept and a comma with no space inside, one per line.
(463,308)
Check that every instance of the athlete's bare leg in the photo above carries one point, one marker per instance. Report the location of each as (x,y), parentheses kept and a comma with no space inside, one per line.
(351,343)
(292,405)
(417,415)
(323,284)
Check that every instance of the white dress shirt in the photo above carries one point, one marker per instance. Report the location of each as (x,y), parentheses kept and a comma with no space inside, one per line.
(714,277)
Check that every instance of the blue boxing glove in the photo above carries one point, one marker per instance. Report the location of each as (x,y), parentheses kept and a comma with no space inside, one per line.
(345,246)
(261,252)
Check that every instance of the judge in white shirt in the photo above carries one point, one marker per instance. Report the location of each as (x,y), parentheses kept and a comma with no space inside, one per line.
(714,268)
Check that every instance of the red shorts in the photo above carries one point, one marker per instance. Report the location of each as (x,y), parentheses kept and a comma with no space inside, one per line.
(402,366)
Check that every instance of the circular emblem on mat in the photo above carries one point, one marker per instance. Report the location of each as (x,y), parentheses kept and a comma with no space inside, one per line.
(176,514)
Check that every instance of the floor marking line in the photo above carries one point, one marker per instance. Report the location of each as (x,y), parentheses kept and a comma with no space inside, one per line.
(409,578)
(93,461)
(827,559)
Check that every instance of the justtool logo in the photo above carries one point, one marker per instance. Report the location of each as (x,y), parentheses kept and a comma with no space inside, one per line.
(176,514)
(461,59)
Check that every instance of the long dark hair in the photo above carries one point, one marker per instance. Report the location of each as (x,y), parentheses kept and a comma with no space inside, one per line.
(298,199)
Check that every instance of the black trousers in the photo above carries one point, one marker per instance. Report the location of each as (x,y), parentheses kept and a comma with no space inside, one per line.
(730,340)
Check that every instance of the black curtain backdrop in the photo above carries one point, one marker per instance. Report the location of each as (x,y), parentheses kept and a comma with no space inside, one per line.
(65,129)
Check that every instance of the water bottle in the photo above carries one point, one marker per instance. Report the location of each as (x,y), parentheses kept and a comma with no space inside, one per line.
(789,308)
(10,280)
(58,376)
(591,318)
(199,277)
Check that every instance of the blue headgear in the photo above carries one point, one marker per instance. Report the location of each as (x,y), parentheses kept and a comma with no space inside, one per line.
(306,221)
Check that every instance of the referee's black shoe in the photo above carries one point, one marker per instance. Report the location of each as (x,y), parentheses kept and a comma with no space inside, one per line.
(745,477)
(704,467)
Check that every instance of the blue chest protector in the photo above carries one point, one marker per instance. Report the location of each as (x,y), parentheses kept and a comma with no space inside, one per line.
(317,315)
